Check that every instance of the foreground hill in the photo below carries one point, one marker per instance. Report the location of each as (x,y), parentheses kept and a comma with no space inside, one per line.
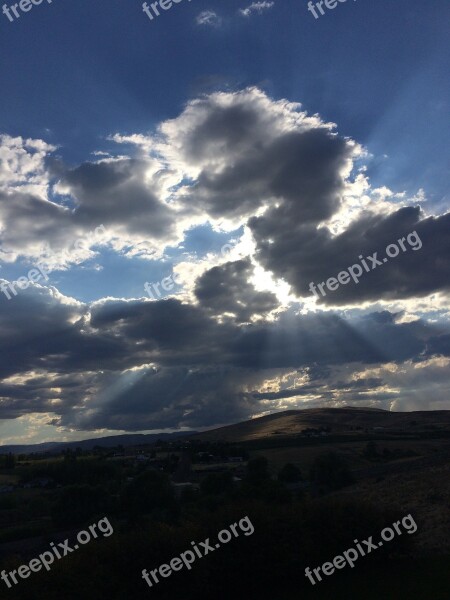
(337,420)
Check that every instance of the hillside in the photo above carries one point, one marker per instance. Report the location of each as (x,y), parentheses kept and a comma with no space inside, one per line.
(338,420)
(348,420)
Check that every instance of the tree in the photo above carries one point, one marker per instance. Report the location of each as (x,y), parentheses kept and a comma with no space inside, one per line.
(151,491)
(258,470)
(330,472)
(10,461)
(290,474)
(79,503)
(371,450)
(69,455)
(217,483)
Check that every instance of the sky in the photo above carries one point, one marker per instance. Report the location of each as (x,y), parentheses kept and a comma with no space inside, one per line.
(227,210)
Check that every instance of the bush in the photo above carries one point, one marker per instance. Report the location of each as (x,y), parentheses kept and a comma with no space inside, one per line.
(371,450)
(290,474)
(150,492)
(79,503)
(257,470)
(330,472)
(217,483)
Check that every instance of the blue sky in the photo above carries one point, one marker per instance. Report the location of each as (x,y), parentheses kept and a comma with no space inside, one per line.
(75,74)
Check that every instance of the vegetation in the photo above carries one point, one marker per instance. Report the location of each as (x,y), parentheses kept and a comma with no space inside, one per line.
(330,472)
(291,494)
(290,474)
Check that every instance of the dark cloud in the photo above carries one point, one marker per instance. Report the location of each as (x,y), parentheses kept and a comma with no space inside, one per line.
(326,339)
(44,393)
(120,195)
(222,129)
(298,173)
(168,398)
(302,254)
(166,331)
(117,193)
(141,364)
(32,221)
(42,330)
(225,290)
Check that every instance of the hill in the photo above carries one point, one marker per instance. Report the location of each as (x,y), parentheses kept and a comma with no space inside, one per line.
(346,420)
(337,420)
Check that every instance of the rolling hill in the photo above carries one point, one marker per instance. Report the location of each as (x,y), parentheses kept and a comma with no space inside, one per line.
(338,420)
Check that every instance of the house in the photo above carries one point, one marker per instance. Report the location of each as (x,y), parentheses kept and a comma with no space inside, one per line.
(40,482)
(187,485)
(141,458)
(6,489)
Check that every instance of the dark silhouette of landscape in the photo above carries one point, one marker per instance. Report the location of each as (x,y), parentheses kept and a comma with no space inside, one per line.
(311,482)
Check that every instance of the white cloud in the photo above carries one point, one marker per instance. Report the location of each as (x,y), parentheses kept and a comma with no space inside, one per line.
(209,18)
(22,165)
(256,7)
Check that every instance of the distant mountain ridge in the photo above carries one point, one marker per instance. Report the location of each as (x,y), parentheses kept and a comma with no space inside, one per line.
(128,439)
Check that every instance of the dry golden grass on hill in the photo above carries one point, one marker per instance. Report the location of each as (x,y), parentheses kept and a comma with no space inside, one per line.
(339,420)
(425,493)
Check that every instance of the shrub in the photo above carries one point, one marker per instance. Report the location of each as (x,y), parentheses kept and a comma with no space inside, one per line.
(330,472)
